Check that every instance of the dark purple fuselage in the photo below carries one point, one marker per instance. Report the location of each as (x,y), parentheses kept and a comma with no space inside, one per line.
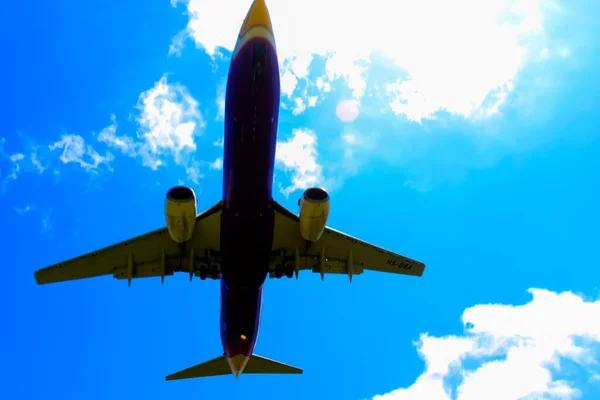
(251,114)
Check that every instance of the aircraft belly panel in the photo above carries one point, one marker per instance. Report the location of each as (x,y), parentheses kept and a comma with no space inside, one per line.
(251,117)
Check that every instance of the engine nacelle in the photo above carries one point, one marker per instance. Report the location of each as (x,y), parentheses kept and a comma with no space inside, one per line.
(314,211)
(180,212)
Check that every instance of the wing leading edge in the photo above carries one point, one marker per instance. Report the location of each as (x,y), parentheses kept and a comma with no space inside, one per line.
(152,254)
(334,253)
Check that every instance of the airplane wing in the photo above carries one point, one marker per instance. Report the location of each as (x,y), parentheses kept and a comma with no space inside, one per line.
(334,253)
(152,254)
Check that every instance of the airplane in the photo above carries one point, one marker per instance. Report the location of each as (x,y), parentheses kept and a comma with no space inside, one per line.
(247,236)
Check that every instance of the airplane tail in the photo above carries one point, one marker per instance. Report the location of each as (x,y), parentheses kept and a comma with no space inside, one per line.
(222,366)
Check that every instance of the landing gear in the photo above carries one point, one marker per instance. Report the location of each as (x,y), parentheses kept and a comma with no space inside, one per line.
(206,271)
(214,271)
(287,270)
(203,271)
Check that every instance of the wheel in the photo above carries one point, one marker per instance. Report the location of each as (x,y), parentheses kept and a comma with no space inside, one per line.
(289,270)
(203,271)
(214,271)
(278,271)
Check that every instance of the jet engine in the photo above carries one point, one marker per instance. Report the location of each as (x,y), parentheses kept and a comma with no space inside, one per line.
(314,211)
(180,212)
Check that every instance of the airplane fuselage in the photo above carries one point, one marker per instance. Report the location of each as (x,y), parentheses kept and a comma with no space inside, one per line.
(243,222)
(251,115)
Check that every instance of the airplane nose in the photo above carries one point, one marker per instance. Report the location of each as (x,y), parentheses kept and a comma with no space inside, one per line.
(237,364)
(258,15)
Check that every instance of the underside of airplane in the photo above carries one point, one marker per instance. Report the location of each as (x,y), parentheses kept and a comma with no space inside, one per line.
(190,244)
(247,236)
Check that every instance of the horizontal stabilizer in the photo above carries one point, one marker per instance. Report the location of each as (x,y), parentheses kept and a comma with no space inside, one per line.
(220,366)
(262,365)
(214,367)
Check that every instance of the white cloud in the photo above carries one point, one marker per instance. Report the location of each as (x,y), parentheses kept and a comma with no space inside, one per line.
(46,224)
(36,163)
(70,149)
(169,121)
(511,352)
(177,43)
(29,160)
(299,155)
(25,210)
(219,142)
(74,150)
(193,172)
(217,164)
(109,136)
(288,82)
(352,147)
(220,103)
(15,168)
(16,157)
(322,85)
(299,106)
(453,54)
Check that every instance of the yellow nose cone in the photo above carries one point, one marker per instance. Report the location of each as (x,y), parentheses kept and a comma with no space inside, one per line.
(258,15)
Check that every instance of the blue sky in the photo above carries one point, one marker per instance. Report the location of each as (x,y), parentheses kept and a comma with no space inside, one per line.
(463,135)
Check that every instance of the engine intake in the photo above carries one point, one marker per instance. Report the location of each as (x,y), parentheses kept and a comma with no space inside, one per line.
(180,213)
(314,212)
